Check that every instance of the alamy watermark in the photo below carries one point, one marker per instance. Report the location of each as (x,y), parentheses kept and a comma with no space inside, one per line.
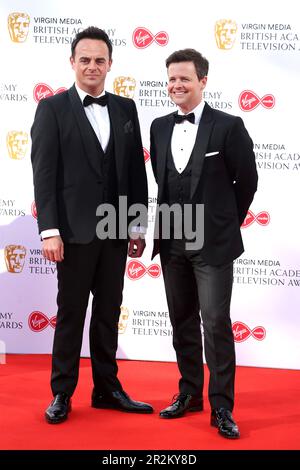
(172,221)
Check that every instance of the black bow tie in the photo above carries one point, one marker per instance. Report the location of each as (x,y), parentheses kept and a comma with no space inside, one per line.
(181,117)
(102,101)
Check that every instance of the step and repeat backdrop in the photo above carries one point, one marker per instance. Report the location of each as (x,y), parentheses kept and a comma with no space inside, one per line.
(254,55)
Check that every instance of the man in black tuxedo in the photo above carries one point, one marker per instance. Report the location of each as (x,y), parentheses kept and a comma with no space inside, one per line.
(201,156)
(87,150)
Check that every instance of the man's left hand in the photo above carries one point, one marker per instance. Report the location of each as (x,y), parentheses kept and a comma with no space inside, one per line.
(136,246)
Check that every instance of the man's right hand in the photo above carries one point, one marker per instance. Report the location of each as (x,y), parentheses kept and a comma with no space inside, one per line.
(53,248)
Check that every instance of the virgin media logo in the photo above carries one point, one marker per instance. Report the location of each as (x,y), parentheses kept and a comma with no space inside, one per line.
(136,270)
(263,218)
(241,332)
(248,101)
(142,38)
(146,155)
(33,210)
(38,321)
(41,91)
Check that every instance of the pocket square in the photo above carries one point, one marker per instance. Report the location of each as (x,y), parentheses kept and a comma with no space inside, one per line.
(128,127)
(210,154)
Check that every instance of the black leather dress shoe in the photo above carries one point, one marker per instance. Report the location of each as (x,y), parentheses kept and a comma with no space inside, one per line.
(119,400)
(223,420)
(182,404)
(58,410)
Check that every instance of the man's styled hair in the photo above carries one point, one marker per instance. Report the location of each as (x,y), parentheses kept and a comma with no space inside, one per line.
(190,55)
(92,32)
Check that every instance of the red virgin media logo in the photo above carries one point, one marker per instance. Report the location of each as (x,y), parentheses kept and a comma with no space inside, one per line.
(263,218)
(136,270)
(146,155)
(33,210)
(241,332)
(248,101)
(38,321)
(142,38)
(41,91)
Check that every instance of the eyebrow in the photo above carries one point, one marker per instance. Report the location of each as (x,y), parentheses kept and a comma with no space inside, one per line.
(88,57)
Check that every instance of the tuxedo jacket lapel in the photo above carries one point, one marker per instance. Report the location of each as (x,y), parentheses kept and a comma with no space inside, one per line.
(117,120)
(163,142)
(202,138)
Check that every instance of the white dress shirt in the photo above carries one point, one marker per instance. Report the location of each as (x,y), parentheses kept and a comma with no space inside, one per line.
(184,137)
(98,117)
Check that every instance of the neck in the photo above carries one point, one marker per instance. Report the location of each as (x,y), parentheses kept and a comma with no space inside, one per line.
(91,91)
(188,108)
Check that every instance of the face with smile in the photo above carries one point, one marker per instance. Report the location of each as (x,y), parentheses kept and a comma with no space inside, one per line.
(91,63)
(184,87)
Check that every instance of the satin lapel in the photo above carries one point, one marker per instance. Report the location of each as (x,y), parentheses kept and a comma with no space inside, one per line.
(86,130)
(117,120)
(202,138)
(163,141)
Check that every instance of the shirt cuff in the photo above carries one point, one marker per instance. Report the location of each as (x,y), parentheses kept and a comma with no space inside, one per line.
(138,229)
(52,232)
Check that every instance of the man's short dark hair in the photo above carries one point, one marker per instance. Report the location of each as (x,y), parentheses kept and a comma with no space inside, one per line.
(92,32)
(190,55)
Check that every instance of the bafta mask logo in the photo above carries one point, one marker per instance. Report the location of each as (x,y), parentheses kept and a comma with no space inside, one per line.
(225,33)
(18,26)
(15,258)
(124,86)
(123,319)
(17,142)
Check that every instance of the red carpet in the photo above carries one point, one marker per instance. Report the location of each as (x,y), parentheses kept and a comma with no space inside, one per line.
(267,410)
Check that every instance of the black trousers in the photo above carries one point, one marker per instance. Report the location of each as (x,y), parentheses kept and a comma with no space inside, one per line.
(192,286)
(97,267)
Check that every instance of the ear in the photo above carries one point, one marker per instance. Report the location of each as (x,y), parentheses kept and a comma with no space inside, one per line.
(203,82)
(109,65)
(72,62)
